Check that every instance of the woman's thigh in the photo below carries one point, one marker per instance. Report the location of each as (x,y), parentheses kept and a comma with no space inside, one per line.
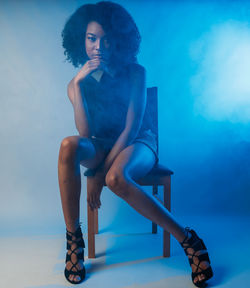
(134,161)
(84,150)
(100,153)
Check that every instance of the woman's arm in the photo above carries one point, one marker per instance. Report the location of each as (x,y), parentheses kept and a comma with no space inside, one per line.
(136,109)
(77,99)
(80,108)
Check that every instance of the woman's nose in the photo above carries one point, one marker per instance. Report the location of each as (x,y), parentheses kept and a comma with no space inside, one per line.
(98,45)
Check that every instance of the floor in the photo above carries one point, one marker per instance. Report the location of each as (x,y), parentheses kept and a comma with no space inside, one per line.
(130,259)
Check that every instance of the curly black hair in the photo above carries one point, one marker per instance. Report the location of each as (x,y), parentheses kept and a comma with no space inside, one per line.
(116,22)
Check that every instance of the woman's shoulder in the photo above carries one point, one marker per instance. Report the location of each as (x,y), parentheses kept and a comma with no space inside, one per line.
(135,67)
(135,70)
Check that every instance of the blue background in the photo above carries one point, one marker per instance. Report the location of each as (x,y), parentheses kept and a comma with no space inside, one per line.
(198,55)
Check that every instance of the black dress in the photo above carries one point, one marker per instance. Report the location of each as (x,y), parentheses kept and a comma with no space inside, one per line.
(107,105)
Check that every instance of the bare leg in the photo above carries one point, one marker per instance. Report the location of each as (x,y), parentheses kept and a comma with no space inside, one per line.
(73,151)
(119,180)
(132,163)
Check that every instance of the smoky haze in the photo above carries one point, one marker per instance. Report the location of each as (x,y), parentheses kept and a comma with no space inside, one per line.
(196,53)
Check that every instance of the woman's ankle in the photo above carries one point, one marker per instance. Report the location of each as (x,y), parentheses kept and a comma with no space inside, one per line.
(73,227)
(185,236)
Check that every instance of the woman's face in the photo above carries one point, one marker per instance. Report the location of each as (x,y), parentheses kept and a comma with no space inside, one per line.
(97,43)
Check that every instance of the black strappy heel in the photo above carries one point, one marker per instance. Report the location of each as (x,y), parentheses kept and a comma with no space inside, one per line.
(80,255)
(197,244)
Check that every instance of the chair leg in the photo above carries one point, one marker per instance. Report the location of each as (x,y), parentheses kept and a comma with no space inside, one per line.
(154,225)
(96,220)
(167,204)
(91,230)
(91,233)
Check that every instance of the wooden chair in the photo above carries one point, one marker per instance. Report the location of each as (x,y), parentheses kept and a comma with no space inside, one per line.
(158,176)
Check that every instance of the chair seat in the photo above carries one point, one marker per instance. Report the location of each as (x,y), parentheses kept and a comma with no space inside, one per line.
(157,171)
(157,176)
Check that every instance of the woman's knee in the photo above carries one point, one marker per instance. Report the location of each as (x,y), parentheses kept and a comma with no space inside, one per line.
(117,181)
(69,148)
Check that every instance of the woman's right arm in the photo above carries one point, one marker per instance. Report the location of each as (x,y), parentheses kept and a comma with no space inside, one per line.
(77,99)
(80,108)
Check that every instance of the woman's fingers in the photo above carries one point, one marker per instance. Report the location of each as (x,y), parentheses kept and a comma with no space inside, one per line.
(91,202)
(96,184)
(97,202)
(97,62)
(93,66)
(94,202)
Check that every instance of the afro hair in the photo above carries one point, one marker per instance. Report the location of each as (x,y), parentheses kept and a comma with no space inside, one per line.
(116,22)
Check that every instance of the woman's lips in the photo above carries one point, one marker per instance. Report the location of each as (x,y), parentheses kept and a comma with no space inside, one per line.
(100,56)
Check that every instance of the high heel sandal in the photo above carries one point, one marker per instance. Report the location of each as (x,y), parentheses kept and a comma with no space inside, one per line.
(197,244)
(78,240)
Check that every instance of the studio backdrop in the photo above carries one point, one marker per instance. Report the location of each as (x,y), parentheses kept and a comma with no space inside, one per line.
(198,55)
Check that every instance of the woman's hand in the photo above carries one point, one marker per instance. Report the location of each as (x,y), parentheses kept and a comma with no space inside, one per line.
(95,185)
(90,66)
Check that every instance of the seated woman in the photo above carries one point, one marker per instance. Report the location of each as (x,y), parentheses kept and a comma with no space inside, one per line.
(116,137)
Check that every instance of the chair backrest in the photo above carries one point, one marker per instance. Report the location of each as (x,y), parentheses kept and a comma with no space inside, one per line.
(152,111)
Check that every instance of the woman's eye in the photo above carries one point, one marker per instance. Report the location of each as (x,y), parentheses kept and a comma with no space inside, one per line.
(91,38)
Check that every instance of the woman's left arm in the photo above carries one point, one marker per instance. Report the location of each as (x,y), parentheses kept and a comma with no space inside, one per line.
(136,109)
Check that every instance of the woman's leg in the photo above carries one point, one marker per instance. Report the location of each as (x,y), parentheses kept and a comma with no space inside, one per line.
(132,163)
(74,150)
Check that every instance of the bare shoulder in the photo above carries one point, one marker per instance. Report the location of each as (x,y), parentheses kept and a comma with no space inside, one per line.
(70,91)
(136,72)
(136,69)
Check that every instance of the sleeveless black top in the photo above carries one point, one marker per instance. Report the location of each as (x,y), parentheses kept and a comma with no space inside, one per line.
(107,104)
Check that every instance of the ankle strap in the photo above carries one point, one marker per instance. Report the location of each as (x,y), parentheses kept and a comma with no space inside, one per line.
(77,233)
(186,239)
(79,243)
(78,238)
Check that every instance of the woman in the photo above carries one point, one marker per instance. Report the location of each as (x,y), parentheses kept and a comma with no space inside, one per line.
(116,138)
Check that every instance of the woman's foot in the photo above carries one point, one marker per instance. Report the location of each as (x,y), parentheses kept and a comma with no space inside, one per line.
(196,251)
(75,270)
